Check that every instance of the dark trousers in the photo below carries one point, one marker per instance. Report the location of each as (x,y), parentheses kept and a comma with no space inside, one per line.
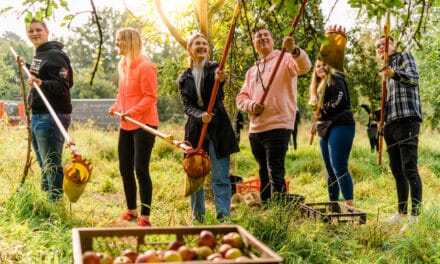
(134,150)
(269,149)
(402,144)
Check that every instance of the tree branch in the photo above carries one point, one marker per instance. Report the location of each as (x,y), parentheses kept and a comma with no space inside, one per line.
(173,31)
(96,17)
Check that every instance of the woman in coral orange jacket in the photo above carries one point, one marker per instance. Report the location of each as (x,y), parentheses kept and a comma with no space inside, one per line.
(137,99)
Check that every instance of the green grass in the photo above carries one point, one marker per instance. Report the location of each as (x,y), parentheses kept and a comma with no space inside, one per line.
(34,231)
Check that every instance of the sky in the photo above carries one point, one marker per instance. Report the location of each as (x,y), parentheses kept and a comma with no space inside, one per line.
(342,14)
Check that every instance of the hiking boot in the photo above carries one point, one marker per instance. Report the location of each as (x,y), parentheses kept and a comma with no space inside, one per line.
(396,218)
(128,216)
(143,221)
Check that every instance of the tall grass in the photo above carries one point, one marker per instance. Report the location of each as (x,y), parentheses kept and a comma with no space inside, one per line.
(34,231)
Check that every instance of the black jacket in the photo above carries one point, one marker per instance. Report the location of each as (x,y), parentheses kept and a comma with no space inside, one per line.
(220,128)
(52,66)
(337,105)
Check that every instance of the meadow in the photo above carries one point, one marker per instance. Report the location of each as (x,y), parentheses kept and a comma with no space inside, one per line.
(34,231)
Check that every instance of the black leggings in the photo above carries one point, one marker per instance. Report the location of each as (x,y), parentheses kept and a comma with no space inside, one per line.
(134,151)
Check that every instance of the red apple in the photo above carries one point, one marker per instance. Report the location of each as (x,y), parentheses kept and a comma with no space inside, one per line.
(122,260)
(172,256)
(214,256)
(234,239)
(186,252)
(104,258)
(223,248)
(131,254)
(206,238)
(90,257)
(148,256)
(233,253)
(175,245)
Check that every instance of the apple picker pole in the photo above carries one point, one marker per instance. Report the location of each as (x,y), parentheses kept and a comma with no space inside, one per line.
(78,171)
(386,30)
(166,137)
(283,50)
(220,68)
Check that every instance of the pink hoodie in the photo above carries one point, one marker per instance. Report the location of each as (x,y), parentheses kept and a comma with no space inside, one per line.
(137,94)
(280,104)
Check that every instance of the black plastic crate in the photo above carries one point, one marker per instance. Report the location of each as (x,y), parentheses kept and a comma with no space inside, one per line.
(333,212)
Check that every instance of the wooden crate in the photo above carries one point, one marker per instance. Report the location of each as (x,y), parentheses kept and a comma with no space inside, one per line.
(333,212)
(136,238)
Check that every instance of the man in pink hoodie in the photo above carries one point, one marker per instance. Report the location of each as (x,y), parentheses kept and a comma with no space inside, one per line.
(271,123)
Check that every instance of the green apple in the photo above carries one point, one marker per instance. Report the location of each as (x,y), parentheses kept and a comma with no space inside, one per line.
(203,252)
(172,256)
(234,239)
(233,253)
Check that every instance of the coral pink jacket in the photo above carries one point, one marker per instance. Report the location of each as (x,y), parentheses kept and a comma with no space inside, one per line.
(280,104)
(137,93)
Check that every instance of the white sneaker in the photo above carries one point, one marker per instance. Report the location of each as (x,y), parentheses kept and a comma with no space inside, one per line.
(412,219)
(395,218)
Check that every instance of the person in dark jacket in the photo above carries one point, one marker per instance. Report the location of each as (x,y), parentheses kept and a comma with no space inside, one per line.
(195,88)
(51,70)
(336,145)
(372,131)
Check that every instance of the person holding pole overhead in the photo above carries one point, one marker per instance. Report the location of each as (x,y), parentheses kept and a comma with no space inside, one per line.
(52,72)
(195,87)
(271,123)
(403,117)
(137,99)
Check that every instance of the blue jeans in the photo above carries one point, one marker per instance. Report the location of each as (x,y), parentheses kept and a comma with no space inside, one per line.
(335,150)
(402,138)
(221,186)
(48,142)
(269,149)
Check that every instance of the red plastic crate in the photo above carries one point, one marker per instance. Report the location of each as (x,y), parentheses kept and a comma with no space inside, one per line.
(253,186)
